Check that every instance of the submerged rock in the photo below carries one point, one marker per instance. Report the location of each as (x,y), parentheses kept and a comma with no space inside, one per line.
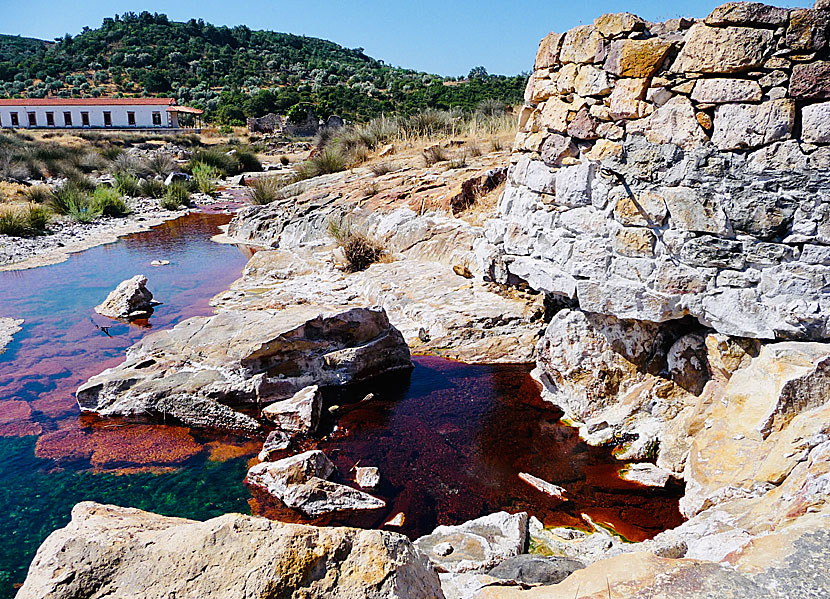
(476,545)
(300,483)
(536,569)
(108,551)
(367,477)
(130,300)
(244,357)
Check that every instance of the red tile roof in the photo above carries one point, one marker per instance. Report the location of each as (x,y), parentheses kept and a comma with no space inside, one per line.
(86,101)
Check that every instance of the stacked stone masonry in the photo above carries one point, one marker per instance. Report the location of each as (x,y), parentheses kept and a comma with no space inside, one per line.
(675,169)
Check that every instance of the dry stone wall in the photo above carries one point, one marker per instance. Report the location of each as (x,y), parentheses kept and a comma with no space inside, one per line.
(671,169)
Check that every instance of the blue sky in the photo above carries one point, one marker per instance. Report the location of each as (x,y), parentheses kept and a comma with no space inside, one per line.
(438,36)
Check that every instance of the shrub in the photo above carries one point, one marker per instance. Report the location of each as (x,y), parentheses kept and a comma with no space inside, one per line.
(37,218)
(160,164)
(63,197)
(205,177)
(496,145)
(126,163)
(80,181)
(126,184)
(12,223)
(222,162)
(111,152)
(38,194)
(360,250)
(263,190)
(247,161)
(284,160)
(82,209)
(107,202)
(152,188)
(381,168)
(175,197)
(435,154)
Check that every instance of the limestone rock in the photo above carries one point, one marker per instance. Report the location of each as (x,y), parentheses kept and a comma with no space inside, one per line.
(645,474)
(614,24)
(591,81)
(722,91)
(747,13)
(276,442)
(636,58)
(300,482)
(674,122)
(548,54)
(726,354)
(193,370)
(476,545)
(807,31)
(581,45)
(627,99)
(130,300)
(300,414)
(687,363)
(692,211)
(124,552)
(8,328)
(739,126)
(723,50)
(634,242)
(536,569)
(648,209)
(815,123)
(367,477)
(556,148)
(811,81)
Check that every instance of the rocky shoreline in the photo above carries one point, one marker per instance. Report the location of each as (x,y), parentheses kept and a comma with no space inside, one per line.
(657,251)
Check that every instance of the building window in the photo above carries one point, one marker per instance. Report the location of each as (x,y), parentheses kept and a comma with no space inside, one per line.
(50,119)
(107,119)
(85,119)
(131,118)
(32,119)
(15,120)
(67,119)
(157,118)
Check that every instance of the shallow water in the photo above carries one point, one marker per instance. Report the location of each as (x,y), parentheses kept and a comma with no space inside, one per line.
(449,438)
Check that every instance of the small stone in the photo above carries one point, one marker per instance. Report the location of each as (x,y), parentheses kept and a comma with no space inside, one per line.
(584,126)
(645,474)
(300,413)
(443,549)
(627,99)
(159,262)
(367,477)
(705,120)
(397,520)
(462,271)
(276,442)
(544,486)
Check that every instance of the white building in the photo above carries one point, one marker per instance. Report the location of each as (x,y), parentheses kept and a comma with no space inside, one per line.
(95,113)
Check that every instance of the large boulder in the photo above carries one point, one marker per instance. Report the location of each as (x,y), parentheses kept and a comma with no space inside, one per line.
(476,545)
(195,370)
(130,300)
(109,551)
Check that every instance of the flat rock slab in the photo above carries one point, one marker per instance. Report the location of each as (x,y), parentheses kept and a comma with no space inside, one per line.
(194,371)
(536,569)
(476,545)
(109,551)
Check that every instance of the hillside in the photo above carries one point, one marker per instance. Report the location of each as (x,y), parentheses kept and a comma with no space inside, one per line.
(231,72)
